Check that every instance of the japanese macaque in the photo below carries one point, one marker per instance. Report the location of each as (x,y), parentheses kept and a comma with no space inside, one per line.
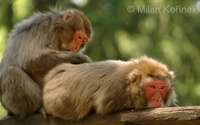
(72,91)
(35,46)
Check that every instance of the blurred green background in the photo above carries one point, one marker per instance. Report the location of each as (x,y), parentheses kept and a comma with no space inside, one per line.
(171,35)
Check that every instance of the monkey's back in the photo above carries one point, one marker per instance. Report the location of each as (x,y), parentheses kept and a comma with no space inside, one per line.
(76,89)
(30,34)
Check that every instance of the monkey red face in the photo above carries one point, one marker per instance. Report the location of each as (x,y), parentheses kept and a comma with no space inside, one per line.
(74,41)
(79,39)
(155,92)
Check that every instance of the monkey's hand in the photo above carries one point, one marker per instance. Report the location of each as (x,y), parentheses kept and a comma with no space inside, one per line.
(82,59)
(42,111)
(76,58)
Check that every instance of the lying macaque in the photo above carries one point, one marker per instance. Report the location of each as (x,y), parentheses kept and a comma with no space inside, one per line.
(72,91)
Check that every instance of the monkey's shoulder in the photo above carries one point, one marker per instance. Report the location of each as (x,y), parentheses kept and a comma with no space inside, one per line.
(102,64)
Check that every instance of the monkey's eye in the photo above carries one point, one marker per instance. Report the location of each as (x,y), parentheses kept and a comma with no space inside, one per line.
(80,37)
(162,87)
(152,86)
(150,75)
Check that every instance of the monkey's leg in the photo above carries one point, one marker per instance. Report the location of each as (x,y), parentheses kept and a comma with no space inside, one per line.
(20,95)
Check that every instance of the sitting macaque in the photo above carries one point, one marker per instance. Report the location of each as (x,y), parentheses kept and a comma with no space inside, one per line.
(72,91)
(35,46)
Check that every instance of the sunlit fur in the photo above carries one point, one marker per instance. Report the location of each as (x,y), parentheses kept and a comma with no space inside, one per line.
(72,91)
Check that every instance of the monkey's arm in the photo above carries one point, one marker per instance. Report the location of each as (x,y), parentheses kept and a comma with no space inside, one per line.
(50,58)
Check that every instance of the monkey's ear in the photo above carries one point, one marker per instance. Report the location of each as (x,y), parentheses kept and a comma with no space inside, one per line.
(172,75)
(133,76)
(67,15)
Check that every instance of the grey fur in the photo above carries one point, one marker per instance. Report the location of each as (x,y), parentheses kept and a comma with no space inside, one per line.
(32,50)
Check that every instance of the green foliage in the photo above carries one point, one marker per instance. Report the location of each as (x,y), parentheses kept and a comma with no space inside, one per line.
(2,112)
(172,38)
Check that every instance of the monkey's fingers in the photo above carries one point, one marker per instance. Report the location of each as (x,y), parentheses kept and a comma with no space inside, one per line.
(80,58)
(88,60)
(42,111)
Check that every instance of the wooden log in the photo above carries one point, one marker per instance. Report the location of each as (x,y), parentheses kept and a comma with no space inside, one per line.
(157,116)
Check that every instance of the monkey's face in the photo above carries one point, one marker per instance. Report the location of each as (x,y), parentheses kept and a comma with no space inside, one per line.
(76,31)
(149,92)
(155,92)
(151,84)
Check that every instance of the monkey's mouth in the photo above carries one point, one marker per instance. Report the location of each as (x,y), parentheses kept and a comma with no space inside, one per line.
(155,104)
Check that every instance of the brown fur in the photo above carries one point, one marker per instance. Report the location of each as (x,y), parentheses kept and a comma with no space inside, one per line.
(72,91)
(35,46)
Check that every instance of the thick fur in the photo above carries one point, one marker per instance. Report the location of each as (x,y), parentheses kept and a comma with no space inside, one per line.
(72,91)
(32,50)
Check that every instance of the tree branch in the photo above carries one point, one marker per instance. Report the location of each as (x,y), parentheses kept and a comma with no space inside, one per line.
(164,116)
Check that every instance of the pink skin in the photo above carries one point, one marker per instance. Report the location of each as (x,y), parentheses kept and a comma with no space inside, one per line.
(79,38)
(155,92)
(67,15)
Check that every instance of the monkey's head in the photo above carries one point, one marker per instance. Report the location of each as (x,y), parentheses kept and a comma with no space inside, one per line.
(74,30)
(150,84)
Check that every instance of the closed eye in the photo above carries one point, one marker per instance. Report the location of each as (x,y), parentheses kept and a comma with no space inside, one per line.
(150,75)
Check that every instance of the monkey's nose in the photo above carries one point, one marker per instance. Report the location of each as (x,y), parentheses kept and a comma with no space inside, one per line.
(81,37)
(158,102)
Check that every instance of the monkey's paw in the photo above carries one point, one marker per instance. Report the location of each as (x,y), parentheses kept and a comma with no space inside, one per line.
(42,111)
